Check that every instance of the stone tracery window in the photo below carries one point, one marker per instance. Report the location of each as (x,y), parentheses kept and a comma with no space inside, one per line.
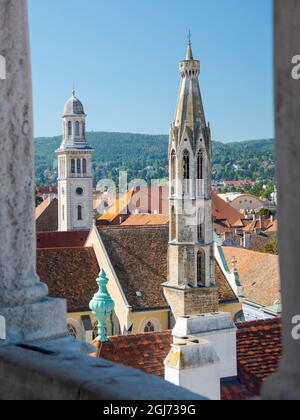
(173,224)
(186,172)
(149,327)
(173,172)
(72,332)
(201,268)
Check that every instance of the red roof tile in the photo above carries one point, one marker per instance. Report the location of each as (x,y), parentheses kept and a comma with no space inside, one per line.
(46,216)
(70,273)
(75,239)
(258,352)
(142,351)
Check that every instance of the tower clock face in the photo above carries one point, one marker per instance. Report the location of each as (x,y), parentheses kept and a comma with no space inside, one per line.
(79,191)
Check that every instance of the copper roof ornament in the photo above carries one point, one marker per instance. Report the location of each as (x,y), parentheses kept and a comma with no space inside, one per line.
(102,307)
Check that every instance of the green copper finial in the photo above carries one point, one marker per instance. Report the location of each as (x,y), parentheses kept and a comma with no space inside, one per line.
(102,306)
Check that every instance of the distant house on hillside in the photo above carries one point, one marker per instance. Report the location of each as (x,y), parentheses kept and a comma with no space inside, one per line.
(244,203)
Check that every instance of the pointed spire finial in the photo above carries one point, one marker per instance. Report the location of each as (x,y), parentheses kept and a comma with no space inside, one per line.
(190,37)
(189,55)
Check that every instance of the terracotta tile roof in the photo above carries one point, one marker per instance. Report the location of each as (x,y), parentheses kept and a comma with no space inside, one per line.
(119,207)
(75,239)
(146,220)
(45,190)
(154,199)
(46,216)
(224,211)
(234,390)
(146,352)
(262,225)
(70,273)
(151,200)
(259,352)
(139,257)
(259,275)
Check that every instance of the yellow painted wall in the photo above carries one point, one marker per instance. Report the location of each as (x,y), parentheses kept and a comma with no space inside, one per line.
(160,320)
(233,308)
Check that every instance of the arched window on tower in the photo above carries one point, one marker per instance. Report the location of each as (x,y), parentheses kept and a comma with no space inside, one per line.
(200,228)
(83,130)
(73,166)
(84,166)
(186,172)
(173,224)
(70,128)
(78,166)
(200,172)
(79,213)
(173,173)
(77,129)
(201,269)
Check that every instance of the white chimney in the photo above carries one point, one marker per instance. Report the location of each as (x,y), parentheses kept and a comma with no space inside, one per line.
(219,330)
(194,365)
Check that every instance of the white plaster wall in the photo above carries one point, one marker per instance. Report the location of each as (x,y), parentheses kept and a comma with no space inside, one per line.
(224,343)
(203,381)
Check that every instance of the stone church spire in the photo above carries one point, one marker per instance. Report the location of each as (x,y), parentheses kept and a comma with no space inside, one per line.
(191,274)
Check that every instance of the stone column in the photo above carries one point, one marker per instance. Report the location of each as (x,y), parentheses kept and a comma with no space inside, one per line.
(20,287)
(286,384)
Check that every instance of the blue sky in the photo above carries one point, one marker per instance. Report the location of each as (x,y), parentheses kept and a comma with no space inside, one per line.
(124,54)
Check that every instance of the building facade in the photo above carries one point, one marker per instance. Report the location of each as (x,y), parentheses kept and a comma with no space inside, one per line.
(75,179)
(191,287)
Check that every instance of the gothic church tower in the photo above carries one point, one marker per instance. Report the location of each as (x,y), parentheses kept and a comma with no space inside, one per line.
(191,287)
(75,178)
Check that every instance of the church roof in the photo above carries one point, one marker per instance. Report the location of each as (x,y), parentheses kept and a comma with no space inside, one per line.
(139,257)
(70,273)
(73,106)
(72,239)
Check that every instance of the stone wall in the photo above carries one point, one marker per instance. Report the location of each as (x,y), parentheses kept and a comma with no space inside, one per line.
(192,301)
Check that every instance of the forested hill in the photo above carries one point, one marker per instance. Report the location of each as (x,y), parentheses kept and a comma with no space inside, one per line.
(145,156)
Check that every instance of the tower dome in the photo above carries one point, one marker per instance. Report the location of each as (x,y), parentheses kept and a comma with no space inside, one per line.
(73,106)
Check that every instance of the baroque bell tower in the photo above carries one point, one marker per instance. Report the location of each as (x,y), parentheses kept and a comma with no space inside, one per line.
(191,287)
(75,173)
